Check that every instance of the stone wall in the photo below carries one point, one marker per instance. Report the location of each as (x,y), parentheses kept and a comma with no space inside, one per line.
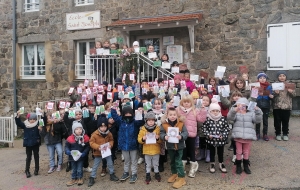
(232,33)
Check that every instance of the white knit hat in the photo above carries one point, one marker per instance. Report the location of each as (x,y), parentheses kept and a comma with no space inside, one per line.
(214,105)
(136,43)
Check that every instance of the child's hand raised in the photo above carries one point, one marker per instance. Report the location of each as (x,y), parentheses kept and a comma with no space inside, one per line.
(144,137)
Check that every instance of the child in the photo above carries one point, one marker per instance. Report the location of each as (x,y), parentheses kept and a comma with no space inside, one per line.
(216,130)
(127,139)
(31,140)
(77,141)
(151,151)
(263,102)
(159,112)
(190,116)
(239,84)
(282,106)
(175,150)
(243,131)
(189,84)
(98,138)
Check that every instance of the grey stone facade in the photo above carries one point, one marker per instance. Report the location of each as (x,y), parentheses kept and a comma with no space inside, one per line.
(232,33)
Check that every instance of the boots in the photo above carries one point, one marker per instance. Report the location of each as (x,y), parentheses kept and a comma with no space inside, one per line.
(36,171)
(246,164)
(184,163)
(179,183)
(194,168)
(238,166)
(161,167)
(207,159)
(27,172)
(173,178)
(148,178)
(91,182)
(202,154)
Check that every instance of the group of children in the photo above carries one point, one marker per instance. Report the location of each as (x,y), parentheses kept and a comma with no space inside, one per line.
(178,118)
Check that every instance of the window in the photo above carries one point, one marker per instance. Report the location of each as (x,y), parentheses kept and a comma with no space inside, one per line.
(31,5)
(83,48)
(84,2)
(283,46)
(33,61)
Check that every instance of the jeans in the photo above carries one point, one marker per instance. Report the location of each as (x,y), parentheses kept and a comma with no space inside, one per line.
(35,149)
(281,117)
(51,149)
(176,162)
(266,112)
(97,162)
(77,169)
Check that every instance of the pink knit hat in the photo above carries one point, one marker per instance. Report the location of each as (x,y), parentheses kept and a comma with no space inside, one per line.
(214,105)
(177,76)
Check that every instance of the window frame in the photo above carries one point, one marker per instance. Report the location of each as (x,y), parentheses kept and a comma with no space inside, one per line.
(22,68)
(87,44)
(32,4)
(85,2)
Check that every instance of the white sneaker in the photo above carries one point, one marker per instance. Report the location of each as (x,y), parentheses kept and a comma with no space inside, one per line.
(233,158)
(88,169)
(140,160)
(123,158)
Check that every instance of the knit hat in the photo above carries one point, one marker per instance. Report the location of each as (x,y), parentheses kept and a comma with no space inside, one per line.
(102,121)
(118,80)
(214,105)
(127,109)
(262,74)
(136,43)
(75,125)
(280,72)
(242,101)
(105,83)
(78,110)
(195,94)
(126,96)
(177,76)
(150,115)
(32,116)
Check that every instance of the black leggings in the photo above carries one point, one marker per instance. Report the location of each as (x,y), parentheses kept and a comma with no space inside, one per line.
(189,150)
(35,149)
(220,151)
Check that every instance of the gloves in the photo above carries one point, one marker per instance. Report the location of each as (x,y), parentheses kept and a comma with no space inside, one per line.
(83,155)
(68,152)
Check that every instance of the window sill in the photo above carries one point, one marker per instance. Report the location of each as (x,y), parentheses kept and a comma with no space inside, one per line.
(30,11)
(80,5)
(29,80)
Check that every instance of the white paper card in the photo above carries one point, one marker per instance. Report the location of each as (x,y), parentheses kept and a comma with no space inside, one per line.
(219,74)
(138,115)
(131,77)
(278,86)
(136,50)
(255,84)
(150,138)
(194,77)
(124,77)
(225,90)
(75,154)
(105,150)
(173,132)
(251,106)
(165,65)
(217,97)
(254,92)
(176,100)
(221,69)
(152,55)
(106,52)
(71,90)
(175,70)
(99,51)
(38,111)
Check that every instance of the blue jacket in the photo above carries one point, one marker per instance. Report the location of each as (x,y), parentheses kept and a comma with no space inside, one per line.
(264,101)
(128,132)
(31,135)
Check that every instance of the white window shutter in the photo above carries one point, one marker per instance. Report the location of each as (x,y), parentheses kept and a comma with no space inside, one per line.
(293,45)
(276,46)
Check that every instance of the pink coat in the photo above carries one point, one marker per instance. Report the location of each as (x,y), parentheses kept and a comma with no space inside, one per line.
(191,118)
(190,85)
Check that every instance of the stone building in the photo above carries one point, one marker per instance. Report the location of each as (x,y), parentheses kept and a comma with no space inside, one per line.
(229,33)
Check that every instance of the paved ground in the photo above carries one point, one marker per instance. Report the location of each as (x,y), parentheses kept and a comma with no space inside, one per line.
(274,165)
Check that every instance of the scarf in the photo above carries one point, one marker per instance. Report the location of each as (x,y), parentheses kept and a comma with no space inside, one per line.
(214,117)
(185,110)
(149,128)
(104,134)
(172,123)
(128,119)
(264,85)
(79,139)
(30,125)
(157,112)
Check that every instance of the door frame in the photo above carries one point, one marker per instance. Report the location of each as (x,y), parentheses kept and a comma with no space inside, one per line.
(153,36)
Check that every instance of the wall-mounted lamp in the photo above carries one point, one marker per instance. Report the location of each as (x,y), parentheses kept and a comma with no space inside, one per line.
(197,21)
(124,27)
(177,23)
(141,26)
(158,25)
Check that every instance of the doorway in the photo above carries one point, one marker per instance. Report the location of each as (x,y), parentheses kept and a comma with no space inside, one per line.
(154,40)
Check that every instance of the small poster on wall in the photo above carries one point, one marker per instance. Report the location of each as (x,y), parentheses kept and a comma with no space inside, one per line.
(175,53)
(168,40)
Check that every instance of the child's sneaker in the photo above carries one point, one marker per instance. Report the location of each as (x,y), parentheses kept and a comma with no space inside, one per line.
(233,158)
(212,168)
(133,178)
(157,177)
(103,172)
(87,169)
(123,158)
(148,178)
(285,138)
(58,168)
(222,168)
(113,177)
(258,136)
(124,176)
(51,170)
(266,138)
(140,160)
(278,137)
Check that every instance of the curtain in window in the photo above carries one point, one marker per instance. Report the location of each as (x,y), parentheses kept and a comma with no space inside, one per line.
(41,56)
(30,56)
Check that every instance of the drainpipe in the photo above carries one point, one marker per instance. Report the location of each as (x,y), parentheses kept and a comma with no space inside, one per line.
(14,41)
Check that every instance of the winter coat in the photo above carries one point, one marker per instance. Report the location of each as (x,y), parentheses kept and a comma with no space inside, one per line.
(149,149)
(191,118)
(69,122)
(283,100)
(71,144)
(243,126)
(55,134)
(182,131)
(190,86)
(264,101)
(91,124)
(128,132)
(31,135)
(97,139)
(220,127)
(114,129)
